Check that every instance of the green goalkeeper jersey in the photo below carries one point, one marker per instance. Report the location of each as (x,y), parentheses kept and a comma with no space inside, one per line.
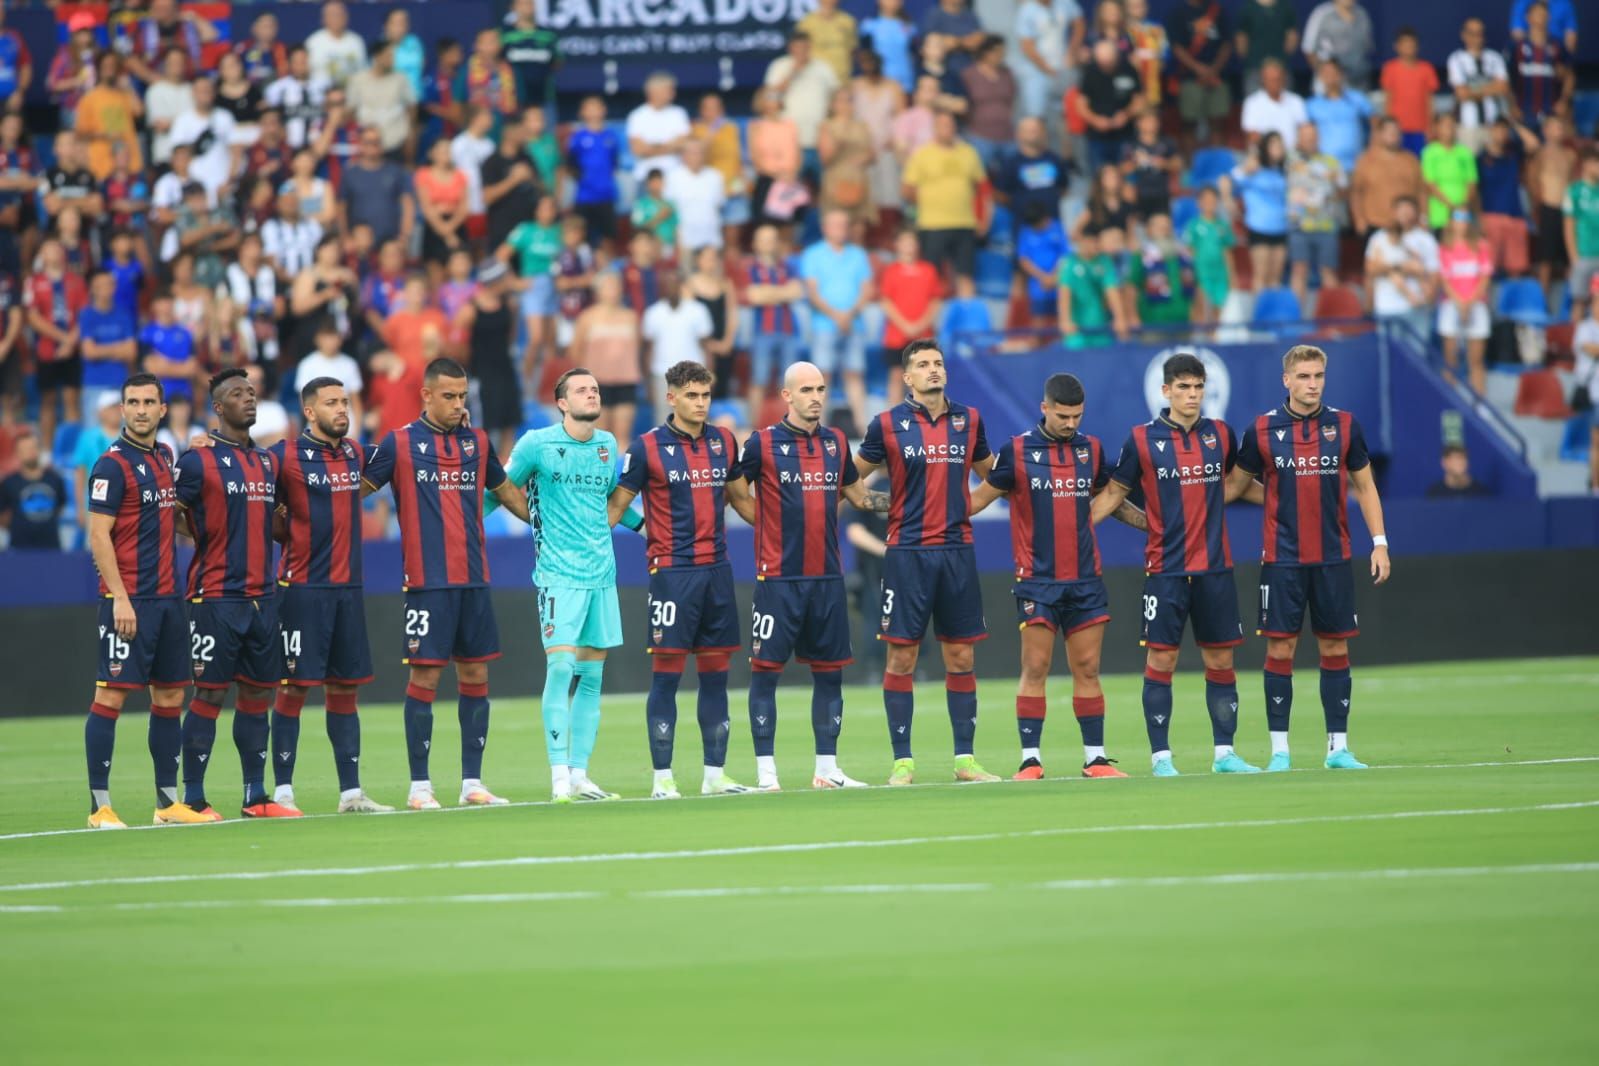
(568,483)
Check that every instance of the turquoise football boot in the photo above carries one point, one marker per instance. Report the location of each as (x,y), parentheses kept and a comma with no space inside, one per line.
(1164,768)
(1232,764)
(1279,763)
(1343,760)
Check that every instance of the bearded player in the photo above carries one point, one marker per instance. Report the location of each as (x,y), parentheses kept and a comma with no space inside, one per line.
(1051,474)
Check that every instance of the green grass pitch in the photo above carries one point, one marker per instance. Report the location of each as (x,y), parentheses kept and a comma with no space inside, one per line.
(1441,907)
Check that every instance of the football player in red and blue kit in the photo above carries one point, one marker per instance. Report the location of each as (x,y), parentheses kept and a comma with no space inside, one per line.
(228,490)
(796,471)
(1051,474)
(931,446)
(1179,461)
(321,608)
(439,468)
(1309,456)
(142,643)
(682,468)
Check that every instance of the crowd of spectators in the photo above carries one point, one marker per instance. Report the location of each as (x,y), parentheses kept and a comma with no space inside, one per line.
(355,207)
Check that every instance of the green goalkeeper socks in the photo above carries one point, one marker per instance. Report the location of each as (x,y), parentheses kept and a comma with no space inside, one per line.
(586,711)
(557,708)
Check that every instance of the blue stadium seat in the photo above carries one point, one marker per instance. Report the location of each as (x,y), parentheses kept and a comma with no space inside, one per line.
(1184,210)
(1585,112)
(1002,230)
(1210,164)
(65,444)
(624,157)
(1521,300)
(993,275)
(1576,440)
(1276,306)
(1564,313)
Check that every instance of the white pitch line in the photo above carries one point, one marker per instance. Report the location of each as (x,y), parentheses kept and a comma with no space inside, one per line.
(38,833)
(777,849)
(763,891)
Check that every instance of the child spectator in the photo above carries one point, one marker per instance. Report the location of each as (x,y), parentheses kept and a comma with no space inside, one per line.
(574,269)
(1450,172)
(640,271)
(1150,161)
(1409,82)
(1040,247)
(653,213)
(911,291)
(696,195)
(1084,301)
(1465,264)
(1210,238)
(327,360)
(167,348)
(1581,209)
(1162,273)
(1263,187)
(1116,254)
(965,313)
(537,244)
(1550,172)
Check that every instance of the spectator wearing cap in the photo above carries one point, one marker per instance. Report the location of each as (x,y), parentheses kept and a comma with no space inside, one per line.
(1273,107)
(335,53)
(657,128)
(209,130)
(32,498)
(1457,482)
(383,98)
(376,192)
(1384,174)
(71,72)
(1340,114)
(807,85)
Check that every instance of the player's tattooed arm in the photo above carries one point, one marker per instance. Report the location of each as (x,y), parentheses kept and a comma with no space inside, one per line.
(984,494)
(1129,515)
(740,499)
(866,499)
(1106,503)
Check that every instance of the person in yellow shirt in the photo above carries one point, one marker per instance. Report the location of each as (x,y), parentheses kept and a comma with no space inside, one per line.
(106,116)
(834,36)
(941,180)
(724,154)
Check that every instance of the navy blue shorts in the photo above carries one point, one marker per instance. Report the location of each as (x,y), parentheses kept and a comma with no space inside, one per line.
(932,584)
(446,624)
(692,608)
(1210,601)
(324,636)
(1063,606)
(1329,589)
(235,640)
(803,617)
(157,654)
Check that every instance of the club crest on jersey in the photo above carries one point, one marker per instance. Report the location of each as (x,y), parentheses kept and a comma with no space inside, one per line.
(549,630)
(755,646)
(604,453)
(655,636)
(114,668)
(959,422)
(831,445)
(199,668)
(1028,606)
(716,445)
(1330,432)
(414,645)
(288,664)
(348,449)
(1083,455)
(468,447)
(1208,439)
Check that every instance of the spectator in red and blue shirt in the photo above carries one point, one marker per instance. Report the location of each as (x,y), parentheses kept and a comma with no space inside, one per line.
(1540,68)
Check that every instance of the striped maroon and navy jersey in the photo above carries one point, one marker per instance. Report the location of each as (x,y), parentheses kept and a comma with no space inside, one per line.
(319,487)
(439,476)
(135,486)
(1304,461)
(230,492)
(1535,72)
(929,463)
(772,319)
(1052,482)
(1183,476)
(683,481)
(795,478)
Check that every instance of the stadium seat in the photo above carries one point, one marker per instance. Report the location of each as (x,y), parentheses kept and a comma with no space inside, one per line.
(1577,439)
(1184,209)
(66,443)
(1338,301)
(1209,165)
(1274,306)
(1521,300)
(1563,313)
(1585,113)
(993,275)
(1540,394)
(1002,228)
(1558,340)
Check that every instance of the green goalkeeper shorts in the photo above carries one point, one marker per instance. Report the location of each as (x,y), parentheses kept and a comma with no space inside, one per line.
(579,618)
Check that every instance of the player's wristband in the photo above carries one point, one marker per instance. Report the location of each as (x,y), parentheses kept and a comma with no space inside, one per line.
(1379,541)
(632,520)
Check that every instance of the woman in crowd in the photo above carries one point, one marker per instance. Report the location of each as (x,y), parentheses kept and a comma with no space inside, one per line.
(490,325)
(327,289)
(845,147)
(725,155)
(710,286)
(1112,203)
(239,97)
(913,127)
(1465,266)
(607,341)
(441,189)
(316,198)
(1262,184)
(878,102)
(775,154)
(191,304)
(991,88)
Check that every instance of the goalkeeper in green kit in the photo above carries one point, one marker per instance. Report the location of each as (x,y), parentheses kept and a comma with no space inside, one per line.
(568,471)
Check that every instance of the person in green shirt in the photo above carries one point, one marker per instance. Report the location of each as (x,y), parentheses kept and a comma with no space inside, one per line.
(651,211)
(1581,209)
(533,51)
(536,244)
(1209,237)
(1449,170)
(1267,29)
(1162,272)
(542,148)
(568,472)
(1082,297)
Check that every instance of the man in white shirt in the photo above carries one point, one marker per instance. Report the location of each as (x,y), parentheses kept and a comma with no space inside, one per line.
(383,97)
(469,149)
(807,85)
(164,101)
(676,329)
(1273,108)
(657,128)
(1402,267)
(1481,83)
(335,52)
(327,361)
(299,96)
(697,193)
(210,130)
